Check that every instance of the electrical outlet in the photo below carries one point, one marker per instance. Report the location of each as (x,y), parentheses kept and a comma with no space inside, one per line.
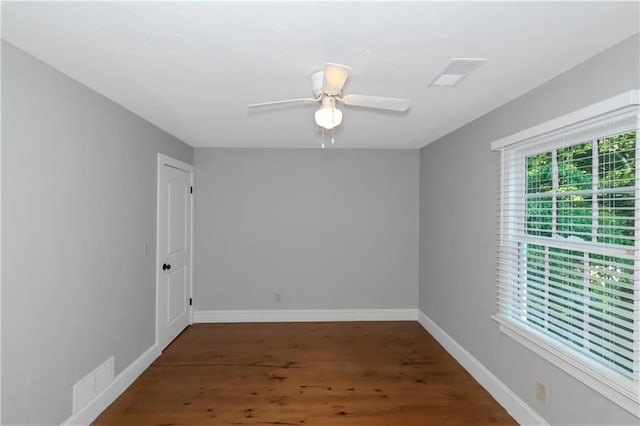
(541,392)
(277,296)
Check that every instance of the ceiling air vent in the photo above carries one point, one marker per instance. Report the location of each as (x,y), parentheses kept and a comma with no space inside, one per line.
(456,71)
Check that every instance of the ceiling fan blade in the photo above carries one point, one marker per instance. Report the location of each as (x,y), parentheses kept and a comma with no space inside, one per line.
(335,75)
(392,104)
(287,101)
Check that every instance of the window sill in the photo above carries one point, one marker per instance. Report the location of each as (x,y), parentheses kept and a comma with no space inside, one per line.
(606,383)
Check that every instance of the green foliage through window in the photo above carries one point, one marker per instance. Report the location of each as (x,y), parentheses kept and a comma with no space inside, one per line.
(564,199)
(583,194)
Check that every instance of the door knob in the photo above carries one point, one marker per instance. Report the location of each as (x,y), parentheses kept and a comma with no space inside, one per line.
(166,267)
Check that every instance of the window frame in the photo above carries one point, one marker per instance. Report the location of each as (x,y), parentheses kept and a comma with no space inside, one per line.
(615,386)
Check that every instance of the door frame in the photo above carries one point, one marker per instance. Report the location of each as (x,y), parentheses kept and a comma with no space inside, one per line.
(165,160)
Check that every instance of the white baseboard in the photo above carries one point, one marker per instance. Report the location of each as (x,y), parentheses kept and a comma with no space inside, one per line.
(515,406)
(307,315)
(98,404)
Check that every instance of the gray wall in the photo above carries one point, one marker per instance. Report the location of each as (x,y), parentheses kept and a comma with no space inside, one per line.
(329,229)
(457,235)
(78,202)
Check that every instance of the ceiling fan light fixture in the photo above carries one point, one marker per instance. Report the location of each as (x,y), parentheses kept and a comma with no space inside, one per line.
(328,116)
(327,85)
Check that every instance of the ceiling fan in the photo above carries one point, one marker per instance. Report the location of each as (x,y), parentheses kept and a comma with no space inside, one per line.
(326,85)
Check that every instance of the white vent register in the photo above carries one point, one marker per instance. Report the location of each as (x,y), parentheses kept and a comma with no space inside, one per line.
(91,385)
(457,70)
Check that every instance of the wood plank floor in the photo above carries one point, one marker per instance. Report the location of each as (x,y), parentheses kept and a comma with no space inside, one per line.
(346,373)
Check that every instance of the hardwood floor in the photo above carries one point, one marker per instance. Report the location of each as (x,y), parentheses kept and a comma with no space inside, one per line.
(343,373)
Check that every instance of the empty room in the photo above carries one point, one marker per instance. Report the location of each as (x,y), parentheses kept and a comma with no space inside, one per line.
(320,213)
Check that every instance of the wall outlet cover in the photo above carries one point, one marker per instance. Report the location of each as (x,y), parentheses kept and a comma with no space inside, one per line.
(541,392)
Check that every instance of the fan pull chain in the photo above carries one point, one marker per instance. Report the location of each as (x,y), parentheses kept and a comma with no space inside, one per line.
(333,132)
(323,138)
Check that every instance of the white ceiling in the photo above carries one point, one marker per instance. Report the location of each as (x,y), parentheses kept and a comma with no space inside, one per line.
(191,68)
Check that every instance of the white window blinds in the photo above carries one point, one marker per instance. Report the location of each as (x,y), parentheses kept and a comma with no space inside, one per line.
(569,243)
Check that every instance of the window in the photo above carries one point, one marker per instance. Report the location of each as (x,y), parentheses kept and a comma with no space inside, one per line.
(569,246)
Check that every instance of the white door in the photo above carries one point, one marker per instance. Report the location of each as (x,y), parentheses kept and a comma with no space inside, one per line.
(174,251)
